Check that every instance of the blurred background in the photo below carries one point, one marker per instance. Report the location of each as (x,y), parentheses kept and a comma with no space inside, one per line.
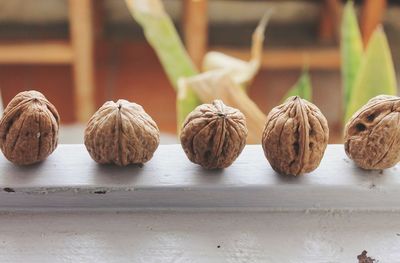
(80,53)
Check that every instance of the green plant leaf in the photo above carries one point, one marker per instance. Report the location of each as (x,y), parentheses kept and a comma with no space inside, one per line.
(351,49)
(161,34)
(186,102)
(376,74)
(302,88)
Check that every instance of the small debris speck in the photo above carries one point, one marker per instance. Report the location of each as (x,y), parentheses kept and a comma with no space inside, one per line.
(218,246)
(9,190)
(101,192)
(363,258)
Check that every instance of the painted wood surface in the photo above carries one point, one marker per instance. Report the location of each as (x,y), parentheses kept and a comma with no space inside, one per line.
(70,178)
(322,221)
(279,237)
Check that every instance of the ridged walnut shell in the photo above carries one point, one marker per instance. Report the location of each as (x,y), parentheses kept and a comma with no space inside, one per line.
(372,135)
(29,128)
(121,133)
(213,135)
(295,137)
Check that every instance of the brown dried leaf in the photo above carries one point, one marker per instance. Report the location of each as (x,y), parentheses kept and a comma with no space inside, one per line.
(240,71)
(214,135)
(295,137)
(121,133)
(29,128)
(372,135)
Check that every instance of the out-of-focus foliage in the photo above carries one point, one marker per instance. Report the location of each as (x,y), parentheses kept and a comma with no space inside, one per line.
(161,33)
(376,74)
(242,72)
(368,73)
(302,88)
(351,48)
(191,86)
(365,75)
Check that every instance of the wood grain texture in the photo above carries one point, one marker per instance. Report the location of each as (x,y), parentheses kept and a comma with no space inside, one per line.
(69,178)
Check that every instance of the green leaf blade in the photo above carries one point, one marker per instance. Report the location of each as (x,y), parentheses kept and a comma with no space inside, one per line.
(351,50)
(302,88)
(186,102)
(376,75)
(161,34)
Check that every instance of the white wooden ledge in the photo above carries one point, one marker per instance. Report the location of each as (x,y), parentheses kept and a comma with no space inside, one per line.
(69,178)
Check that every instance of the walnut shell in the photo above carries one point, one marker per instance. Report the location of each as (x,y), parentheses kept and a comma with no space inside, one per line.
(29,128)
(213,135)
(295,137)
(121,133)
(372,135)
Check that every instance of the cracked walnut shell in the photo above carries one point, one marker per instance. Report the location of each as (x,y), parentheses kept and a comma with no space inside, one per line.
(372,135)
(29,128)
(121,133)
(213,135)
(295,137)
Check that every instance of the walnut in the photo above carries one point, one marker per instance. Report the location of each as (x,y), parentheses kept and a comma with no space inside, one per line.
(29,128)
(295,137)
(121,133)
(372,135)
(213,135)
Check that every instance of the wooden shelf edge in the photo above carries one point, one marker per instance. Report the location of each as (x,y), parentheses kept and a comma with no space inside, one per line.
(69,178)
(49,52)
(322,58)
